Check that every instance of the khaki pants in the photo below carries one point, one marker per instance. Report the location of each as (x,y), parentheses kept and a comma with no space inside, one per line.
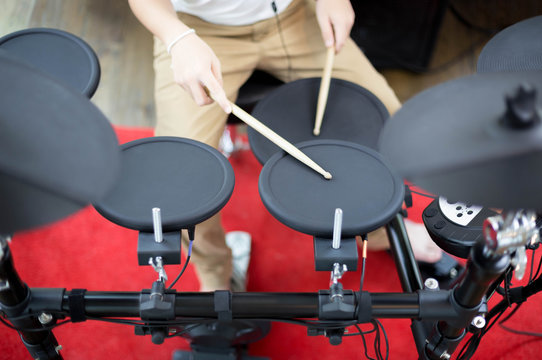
(241,49)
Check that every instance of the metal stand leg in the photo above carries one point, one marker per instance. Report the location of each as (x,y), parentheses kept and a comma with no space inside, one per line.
(409,274)
(14,298)
(407,267)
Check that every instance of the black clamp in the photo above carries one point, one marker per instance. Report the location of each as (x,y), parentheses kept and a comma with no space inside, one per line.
(336,308)
(365,307)
(156,304)
(76,303)
(223,305)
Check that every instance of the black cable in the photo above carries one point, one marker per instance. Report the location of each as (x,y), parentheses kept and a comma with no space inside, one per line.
(360,332)
(8,324)
(185,264)
(362,277)
(478,338)
(532,278)
(323,324)
(507,282)
(376,344)
(515,331)
(151,323)
(521,332)
(385,338)
(289,62)
(464,347)
(363,261)
(364,342)
(511,313)
(183,331)
(49,327)
(180,274)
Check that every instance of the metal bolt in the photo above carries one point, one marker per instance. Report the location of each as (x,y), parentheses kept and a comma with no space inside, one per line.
(157,225)
(45,318)
(337,226)
(445,356)
(58,348)
(479,322)
(453,273)
(4,285)
(431,284)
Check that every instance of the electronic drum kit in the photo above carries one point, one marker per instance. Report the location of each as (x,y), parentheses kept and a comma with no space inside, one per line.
(475,140)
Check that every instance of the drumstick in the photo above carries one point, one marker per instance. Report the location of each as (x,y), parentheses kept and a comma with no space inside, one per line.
(278,140)
(273,137)
(324,90)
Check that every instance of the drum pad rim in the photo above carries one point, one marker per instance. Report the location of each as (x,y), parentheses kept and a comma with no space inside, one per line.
(220,198)
(393,207)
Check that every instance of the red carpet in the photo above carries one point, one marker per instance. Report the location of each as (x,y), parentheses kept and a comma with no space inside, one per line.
(86,251)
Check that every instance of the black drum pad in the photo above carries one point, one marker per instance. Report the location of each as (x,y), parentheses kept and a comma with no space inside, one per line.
(352,113)
(363,186)
(516,48)
(58,152)
(57,53)
(189,181)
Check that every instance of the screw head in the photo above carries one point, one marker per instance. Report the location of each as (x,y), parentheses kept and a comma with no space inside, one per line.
(431,284)
(45,318)
(479,322)
(453,273)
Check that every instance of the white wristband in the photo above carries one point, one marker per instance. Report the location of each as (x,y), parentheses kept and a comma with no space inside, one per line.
(186,33)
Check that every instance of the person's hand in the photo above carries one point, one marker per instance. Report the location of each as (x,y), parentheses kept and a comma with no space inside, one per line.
(197,68)
(335,18)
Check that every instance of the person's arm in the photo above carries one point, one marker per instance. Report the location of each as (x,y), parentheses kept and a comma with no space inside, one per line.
(336,18)
(194,63)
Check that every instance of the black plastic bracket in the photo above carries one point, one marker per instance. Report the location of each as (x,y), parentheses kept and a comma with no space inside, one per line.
(325,256)
(157,304)
(169,249)
(343,308)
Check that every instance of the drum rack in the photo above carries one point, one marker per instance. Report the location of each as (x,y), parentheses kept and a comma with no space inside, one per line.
(440,318)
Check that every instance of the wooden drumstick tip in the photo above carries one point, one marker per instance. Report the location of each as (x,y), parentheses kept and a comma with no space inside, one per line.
(327,175)
(316,132)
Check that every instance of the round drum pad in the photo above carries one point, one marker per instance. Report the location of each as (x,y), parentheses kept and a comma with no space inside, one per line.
(516,48)
(352,113)
(189,181)
(58,152)
(363,186)
(58,54)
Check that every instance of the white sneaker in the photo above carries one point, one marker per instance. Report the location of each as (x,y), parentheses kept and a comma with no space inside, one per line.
(240,244)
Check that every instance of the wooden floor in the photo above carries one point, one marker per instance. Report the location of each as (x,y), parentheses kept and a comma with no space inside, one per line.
(124,47)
